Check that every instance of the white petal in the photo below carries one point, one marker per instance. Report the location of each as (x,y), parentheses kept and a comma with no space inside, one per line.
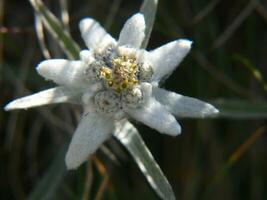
(93,34)
(146,90)
(166,58)
(86,56)
(50,96)
(183,106)
(92,131)
(63,72)
(133,31)
(157,117)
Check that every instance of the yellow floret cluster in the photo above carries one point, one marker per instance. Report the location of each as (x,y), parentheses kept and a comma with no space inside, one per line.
(122,74)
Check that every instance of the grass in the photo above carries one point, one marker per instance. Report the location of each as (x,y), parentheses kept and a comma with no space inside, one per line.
(221,158)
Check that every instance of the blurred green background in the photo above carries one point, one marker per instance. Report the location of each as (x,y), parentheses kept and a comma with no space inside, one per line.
(223,158)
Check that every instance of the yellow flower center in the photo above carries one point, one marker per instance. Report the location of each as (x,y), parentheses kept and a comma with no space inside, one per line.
(122,74)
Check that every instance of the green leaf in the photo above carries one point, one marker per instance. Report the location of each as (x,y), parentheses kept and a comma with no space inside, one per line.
(129,136)
(149,10)
(55,27)
(241,109)
(47,186)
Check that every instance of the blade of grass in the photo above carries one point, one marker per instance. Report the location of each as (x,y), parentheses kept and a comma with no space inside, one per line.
(64,13)
(104,183)
(219,75)
(205,11)
(238,21)
(254,71)
(88,180)
(2,13)
(149,10)
(2,5)
(40,35)
(241,109)
(234,157)
(129,136)
(56,29)
(112,13)
(47,186)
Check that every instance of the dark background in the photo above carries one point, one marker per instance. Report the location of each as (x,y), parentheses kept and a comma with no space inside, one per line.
(221,158)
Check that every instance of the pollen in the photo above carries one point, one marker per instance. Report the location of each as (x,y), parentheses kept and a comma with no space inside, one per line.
(122,74)
(110,83)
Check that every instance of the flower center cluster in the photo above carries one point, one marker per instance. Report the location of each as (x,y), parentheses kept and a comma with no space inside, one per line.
(120,74)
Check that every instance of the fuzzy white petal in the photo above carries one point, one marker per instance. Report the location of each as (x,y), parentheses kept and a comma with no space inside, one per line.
(92,131)
(154,115)
(94,34)
(86,56)
(167,57)
(183,106)
(63,72)
(133,31)
(146,90)
(50,96)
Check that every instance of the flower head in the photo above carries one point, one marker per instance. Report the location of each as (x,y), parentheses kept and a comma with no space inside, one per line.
(114,80)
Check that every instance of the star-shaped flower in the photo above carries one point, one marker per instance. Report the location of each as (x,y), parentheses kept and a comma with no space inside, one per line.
(115,80)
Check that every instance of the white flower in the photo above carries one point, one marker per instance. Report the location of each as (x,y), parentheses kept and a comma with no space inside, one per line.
(114,80)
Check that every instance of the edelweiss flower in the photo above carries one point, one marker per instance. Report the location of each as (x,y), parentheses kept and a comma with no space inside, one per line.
(114,80)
